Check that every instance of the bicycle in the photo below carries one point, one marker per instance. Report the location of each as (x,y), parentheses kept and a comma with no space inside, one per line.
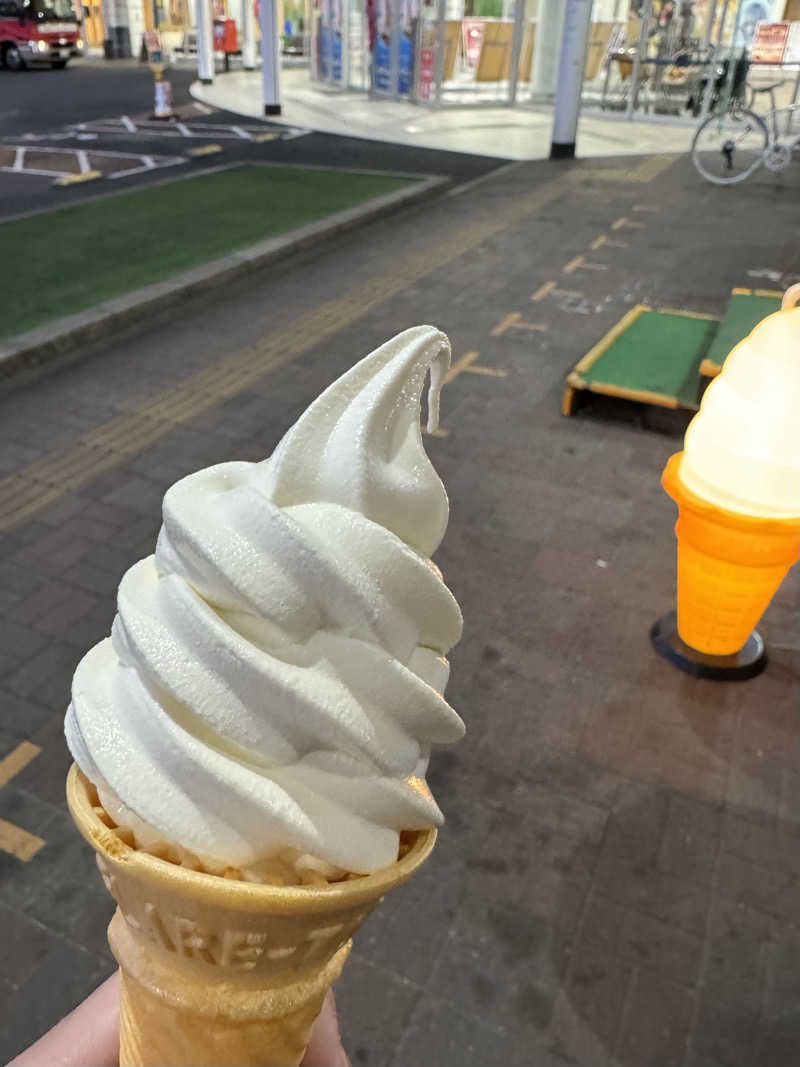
(732,144)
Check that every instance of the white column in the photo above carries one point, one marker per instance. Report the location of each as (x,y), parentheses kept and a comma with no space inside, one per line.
(248,35)
(205,42)
(549,25)
(270,58)
(577,20)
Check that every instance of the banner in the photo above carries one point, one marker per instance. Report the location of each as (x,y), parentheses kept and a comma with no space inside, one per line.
(472,31)
(769,42)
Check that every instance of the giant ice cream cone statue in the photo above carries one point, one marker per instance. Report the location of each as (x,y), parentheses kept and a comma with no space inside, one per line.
(252,741)
(737,486)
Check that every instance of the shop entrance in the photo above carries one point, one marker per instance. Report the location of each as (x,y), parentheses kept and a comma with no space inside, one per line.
(650,59)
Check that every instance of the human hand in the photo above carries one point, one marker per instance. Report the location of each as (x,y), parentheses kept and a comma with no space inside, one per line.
(325,1047)
(90,1035)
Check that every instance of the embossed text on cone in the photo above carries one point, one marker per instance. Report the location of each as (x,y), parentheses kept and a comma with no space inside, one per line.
(730,565)
(217,971)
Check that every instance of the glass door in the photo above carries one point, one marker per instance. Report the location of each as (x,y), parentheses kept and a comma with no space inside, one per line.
(392,31)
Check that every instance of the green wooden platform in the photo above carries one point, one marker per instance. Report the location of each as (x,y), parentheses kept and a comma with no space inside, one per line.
(665,356)
(650,356)
(746,308)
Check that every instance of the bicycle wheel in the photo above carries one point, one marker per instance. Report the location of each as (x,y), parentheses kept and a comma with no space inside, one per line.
(728,148)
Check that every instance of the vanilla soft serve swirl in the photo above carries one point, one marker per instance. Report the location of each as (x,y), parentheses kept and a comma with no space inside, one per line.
(275,671)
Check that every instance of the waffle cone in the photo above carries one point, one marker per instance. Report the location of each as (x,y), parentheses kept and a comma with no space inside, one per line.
(730,566)
(216,971)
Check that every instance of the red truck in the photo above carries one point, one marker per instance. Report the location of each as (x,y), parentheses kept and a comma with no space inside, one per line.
(38,32)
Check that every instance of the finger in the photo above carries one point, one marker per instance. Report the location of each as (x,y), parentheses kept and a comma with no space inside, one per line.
(325,1047)
(89,1034)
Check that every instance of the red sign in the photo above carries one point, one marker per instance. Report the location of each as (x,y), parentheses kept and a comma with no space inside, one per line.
(472,30)
(425,79)
(769,42)
(225,36)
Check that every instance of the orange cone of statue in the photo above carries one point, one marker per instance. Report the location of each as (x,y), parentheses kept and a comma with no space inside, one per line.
(737,487)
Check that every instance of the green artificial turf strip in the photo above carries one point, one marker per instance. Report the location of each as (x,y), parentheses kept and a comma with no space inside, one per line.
(744,312)
(76,257)
(659,352)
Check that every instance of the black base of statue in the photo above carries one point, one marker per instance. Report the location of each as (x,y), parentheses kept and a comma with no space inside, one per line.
(746,663)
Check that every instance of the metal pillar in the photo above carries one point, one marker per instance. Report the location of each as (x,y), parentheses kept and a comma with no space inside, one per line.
(248,35)
(516,50)
(577,20)
(205,42)
(549,27)
(708,95)
(270,58)
(438,68)
(641,51)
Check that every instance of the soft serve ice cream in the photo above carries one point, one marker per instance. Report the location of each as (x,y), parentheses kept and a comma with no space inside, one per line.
(274,676)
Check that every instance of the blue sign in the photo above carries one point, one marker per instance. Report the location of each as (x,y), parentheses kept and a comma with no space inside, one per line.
(382,66)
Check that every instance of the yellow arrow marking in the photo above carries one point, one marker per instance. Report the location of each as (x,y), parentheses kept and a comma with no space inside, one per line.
(624,223)
(18,758)
(467,365)
(78,179)
(13,839)
(514,319)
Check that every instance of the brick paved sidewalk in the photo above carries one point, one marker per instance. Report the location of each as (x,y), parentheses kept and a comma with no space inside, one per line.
(619,878)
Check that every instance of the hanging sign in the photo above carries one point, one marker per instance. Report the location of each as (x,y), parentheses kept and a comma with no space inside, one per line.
(472,31)
(769,42)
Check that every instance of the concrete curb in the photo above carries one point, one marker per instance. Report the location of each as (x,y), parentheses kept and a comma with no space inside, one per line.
(47,343)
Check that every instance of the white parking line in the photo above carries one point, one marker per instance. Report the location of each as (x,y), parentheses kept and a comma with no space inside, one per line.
(141,163)
(293,132)
(195,130)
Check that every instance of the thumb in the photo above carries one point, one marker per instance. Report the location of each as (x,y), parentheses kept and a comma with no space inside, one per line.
(325,1047)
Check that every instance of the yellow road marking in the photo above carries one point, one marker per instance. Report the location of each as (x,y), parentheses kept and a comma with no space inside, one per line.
(19,842)
(205,150)
(259,138)
(624,223)
(32,488)
(689,314)
(757,292)
(645,170)
(603,241)
(552,289)
(18,758)
(78,179)
(13,839)
(514,319)
(543,291)
(439,432)
(467,365)
(579,263)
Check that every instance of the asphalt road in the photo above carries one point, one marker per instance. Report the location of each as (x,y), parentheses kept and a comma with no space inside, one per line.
(38,109)
(41,100)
